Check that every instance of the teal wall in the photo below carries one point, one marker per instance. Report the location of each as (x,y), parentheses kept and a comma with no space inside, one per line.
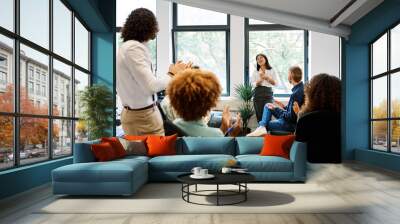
(356,83)
(99,16)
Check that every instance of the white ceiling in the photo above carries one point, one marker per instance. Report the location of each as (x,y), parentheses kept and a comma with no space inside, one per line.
(315,15)
(320,9)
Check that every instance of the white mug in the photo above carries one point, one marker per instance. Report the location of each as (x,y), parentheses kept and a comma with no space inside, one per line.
(203,172)
(226,170)
(196,171)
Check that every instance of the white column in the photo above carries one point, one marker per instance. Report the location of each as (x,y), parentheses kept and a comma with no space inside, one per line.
(236,52)
(164,48)
(324,54)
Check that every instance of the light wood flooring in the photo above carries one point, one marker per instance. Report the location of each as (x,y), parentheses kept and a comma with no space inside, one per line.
(354,182)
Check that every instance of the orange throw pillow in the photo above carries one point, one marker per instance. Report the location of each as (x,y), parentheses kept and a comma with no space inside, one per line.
(103,151)
(277,145)
(161,145)
(116,145)
(135,137)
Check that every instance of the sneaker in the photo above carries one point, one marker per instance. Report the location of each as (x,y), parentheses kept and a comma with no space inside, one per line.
(260,131)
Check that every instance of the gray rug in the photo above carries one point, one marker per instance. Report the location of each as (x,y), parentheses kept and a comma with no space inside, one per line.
(166,198)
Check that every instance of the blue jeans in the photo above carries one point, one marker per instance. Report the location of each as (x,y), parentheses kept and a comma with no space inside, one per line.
(274,125)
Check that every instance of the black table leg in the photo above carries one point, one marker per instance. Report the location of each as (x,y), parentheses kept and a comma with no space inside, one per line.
(196,188)
(217,194)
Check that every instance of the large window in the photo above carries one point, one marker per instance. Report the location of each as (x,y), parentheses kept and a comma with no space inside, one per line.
(39,80)
(202,37)
(385,94)
(284,47)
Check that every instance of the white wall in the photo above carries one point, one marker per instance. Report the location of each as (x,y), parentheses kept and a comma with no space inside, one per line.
(324,54)
(164,41)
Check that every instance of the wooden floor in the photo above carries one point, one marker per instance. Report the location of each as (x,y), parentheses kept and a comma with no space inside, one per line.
(378,189)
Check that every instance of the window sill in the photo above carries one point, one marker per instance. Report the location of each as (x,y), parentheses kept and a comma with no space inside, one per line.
(30,166)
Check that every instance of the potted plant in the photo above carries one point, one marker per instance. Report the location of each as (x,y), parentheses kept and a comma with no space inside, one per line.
(96,103)
(245,93)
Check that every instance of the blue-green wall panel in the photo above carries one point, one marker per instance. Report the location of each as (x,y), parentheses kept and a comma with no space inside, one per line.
(356,83)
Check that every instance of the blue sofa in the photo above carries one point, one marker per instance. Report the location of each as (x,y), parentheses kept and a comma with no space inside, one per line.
(125,176)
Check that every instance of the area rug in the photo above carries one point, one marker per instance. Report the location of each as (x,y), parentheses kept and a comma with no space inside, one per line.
(167,198)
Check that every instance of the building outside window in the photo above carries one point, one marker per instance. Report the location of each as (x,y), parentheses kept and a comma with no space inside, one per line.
(385,95)
(55,130)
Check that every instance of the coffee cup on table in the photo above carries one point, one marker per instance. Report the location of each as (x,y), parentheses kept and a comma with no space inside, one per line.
(226,170)
(196,171)
(203,172)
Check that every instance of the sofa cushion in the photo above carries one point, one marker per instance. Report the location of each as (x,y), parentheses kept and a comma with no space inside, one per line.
(185,163)
(112,171)
(83,152)
(249,145)
(206,145)
(257,163)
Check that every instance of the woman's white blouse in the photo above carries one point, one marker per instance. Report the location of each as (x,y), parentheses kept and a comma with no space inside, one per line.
(256,76)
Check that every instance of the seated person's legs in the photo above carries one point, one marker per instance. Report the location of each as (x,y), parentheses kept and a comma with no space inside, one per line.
(266,119)
(280,125)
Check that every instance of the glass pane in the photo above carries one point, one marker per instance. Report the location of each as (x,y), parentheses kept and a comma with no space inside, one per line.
(33,139)
(395,136)
(205,49)
(258,22)
(35,21)
(395,95)
(81,45)
(62,29)
(191,16)
(6,74)
(62,138)
(379,135)
(81,81)
(62,89)
(7,14)
(379,98)
(379,55)
(34,72)
(6,142)
(125,7)
(81,131)
(395,47)
(283,49)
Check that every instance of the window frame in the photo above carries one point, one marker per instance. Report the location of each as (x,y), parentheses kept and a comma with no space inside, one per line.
(203,28)
(16,115)
(271,27)
(388,74)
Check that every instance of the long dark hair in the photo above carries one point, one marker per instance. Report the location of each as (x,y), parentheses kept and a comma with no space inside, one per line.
(267,65)
(323,92)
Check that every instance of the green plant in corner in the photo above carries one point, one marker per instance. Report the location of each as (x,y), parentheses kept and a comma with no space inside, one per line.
(96,102)
(245,93)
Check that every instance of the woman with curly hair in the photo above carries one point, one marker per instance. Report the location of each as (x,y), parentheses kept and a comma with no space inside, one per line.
(319,119)
(322,93)
(192,94)
(136,83)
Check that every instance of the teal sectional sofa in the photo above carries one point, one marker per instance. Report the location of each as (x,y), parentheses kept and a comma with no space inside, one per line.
(125,176)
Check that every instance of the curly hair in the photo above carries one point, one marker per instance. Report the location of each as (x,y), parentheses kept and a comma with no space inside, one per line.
(323,92)
(193,92)
(141,25)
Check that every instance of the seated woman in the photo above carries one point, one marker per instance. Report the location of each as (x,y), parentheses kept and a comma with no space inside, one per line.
(319,119)
(192,94)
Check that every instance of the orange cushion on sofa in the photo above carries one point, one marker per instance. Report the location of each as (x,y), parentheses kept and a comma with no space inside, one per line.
(161,145)
(277,145)
(103,151)
(116,145)
(135,137)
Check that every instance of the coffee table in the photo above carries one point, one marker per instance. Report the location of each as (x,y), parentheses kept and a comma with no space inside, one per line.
(238,179)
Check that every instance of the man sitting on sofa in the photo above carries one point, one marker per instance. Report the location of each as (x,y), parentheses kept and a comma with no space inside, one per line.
(286,118)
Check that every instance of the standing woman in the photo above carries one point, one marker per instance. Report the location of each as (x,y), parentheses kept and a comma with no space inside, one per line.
(264,79)
(136,84)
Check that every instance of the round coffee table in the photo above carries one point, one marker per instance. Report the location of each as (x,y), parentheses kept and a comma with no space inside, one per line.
(238,179)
